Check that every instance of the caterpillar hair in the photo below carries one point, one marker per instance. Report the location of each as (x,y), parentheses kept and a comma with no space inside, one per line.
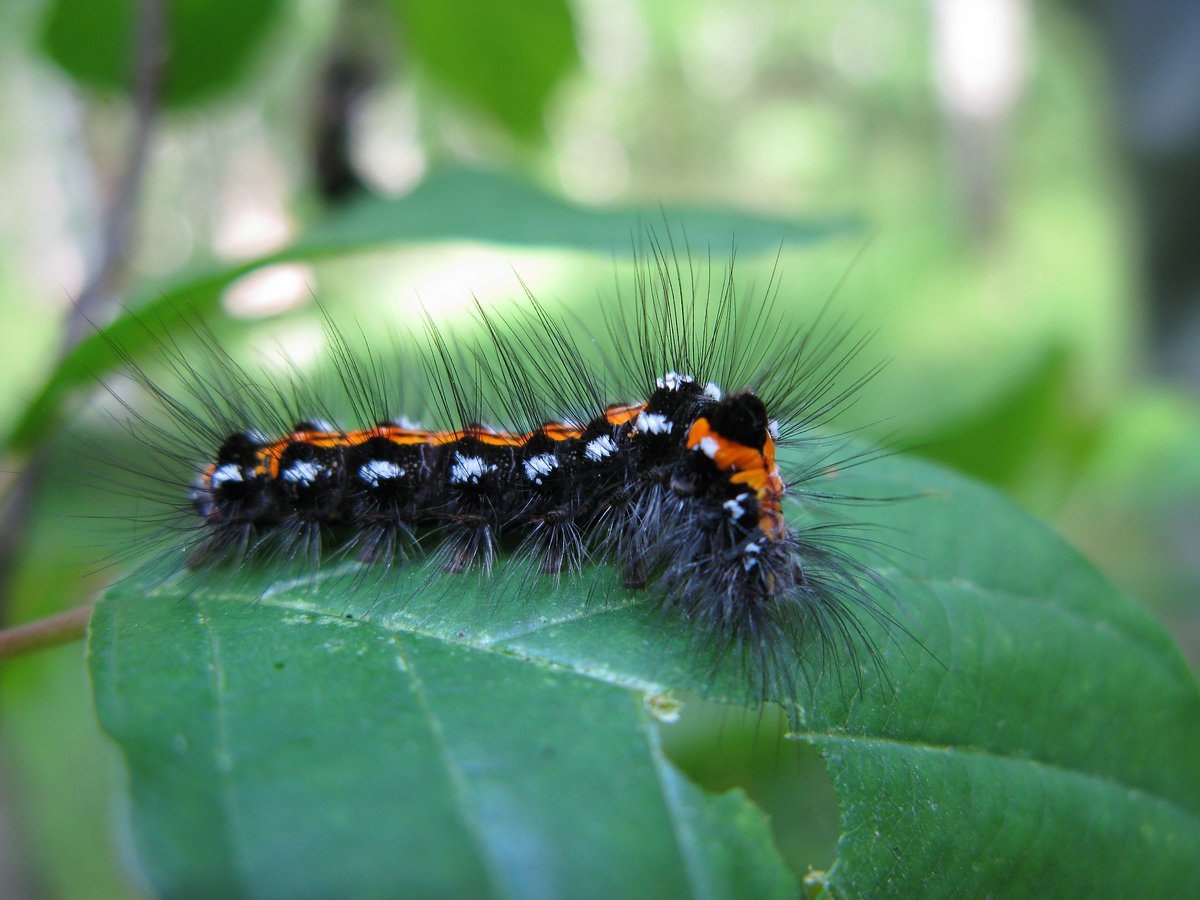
(683,451)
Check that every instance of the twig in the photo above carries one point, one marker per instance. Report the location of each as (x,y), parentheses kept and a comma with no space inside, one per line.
(151,42)
(115,233)
(49,632)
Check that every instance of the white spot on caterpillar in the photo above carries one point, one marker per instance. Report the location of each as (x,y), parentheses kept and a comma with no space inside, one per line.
(773,429)
(468,469)
(600,448)
(407,424)
(301,472)
(709,446)
(734,506)
(376,470)
(537,466)
(654,423)
(673,381)
(712,391)
(321,425)
(225,474)
(750,555)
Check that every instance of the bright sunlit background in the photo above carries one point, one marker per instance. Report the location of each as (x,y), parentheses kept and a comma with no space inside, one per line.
(1004,193)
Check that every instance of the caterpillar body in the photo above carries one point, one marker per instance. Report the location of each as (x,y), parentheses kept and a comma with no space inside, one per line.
(657,461)
(687,460)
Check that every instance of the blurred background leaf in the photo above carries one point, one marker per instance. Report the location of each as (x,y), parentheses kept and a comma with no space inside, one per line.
(502,58)
(210,43)
(451,204)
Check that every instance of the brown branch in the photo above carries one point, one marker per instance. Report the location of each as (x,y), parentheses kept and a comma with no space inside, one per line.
(116,230)
(49,632)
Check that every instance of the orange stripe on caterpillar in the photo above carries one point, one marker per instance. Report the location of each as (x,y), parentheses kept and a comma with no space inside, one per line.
(623,413)
(753,468)
(269,455)
(560,431)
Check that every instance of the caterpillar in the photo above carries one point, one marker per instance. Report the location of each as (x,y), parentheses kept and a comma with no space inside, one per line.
(653,457)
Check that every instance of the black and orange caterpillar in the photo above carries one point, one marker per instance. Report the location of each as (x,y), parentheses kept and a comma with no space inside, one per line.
(688,461)
(681,492)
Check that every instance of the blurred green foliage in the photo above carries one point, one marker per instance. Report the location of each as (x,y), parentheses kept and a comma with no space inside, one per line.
(210,43)
(504,58)
(452,204)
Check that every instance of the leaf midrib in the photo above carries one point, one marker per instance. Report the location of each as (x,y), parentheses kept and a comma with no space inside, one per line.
(491,646)
(1052,600)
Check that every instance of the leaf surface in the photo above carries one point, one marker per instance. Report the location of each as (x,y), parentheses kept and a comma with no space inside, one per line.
(279,752)
(1052,755)
(1039,738)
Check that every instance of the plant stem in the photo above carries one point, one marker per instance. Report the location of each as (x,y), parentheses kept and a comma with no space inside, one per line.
(42,633)
(116,232)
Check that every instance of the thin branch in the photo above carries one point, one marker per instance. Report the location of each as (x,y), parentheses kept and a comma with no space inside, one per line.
(49,632)
(119,217)
(116,230)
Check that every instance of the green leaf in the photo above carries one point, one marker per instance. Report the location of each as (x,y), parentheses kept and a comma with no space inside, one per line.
(503,58)
(1040,742)
(998,440)
(209,43)
(1055,753)
(274,751)
(452,203)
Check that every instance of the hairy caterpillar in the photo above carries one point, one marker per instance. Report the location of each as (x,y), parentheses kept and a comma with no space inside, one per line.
(652,457)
